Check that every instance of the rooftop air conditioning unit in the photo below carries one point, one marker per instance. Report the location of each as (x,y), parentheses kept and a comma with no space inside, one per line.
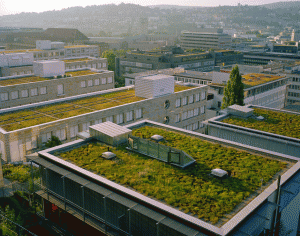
(108,155)
(157,137)
(219,173)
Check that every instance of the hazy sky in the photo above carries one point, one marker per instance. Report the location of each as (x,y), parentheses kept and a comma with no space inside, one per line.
(17,6)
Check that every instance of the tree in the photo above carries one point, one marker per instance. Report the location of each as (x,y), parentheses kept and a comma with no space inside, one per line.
(54,141)
(234,90)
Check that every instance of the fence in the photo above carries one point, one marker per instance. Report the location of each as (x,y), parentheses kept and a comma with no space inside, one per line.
(160,152)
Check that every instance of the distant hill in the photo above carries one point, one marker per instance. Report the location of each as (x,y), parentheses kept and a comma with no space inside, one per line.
(282,5)
(164,6)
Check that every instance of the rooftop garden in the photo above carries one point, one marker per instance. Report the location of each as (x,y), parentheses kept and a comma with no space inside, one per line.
(275,122)
(81,72)
(21,50)
(19,173)
(23,80)
(192,190)
(77,46)
(254,79)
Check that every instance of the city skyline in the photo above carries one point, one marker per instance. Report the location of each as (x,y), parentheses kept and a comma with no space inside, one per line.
(14,7)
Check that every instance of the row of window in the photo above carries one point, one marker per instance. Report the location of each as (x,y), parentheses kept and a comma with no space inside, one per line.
(194,126)
(189,114)
(291,94)
(296,79)
(29,72)
(190,99)
(290,101)
(95,66)
(292,86)
(23,93)
(195,81)
(118,119)
(96,82)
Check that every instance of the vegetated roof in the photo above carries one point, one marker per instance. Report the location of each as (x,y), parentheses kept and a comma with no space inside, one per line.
(275,122)
(40,115)
(79,46)
(254,79)
(81,72)
(192,190)
(78,59)
(21,51)
(22,80)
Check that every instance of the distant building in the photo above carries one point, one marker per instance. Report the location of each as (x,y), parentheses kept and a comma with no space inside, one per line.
(295,35)
(214,39)
(285,48)
(167,57)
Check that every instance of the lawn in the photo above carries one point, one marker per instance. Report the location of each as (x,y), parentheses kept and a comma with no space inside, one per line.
(275,122)
(191,190)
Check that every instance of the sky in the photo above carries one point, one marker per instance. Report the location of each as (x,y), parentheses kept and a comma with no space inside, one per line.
(8,7)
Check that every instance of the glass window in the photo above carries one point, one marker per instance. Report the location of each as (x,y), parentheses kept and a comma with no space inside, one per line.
(34,92)
(43,90)
(83,85)
(24,93)
(15,95)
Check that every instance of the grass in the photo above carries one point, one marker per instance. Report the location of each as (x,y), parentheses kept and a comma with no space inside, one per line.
(26,118)
(23,80)
(254,79)
(81,72)
(274,122)
(191,190)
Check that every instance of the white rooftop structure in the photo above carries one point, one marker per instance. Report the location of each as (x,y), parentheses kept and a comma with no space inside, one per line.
(49,68)
(219,172)
(110,133)
(238,110)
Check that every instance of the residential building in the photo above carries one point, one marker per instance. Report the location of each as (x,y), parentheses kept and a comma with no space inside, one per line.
(169,57)
(215,39)
(26,129)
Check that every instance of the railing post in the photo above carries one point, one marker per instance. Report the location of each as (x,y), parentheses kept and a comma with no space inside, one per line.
(47,183)
(31,168)
(64,192)
(129,219)
(83,201)
(105,217)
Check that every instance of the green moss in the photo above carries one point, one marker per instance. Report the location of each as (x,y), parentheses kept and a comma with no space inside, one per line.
(20,173)
(192,190)
(275,122)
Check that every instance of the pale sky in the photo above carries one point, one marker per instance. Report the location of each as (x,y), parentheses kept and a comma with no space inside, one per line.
(16,6)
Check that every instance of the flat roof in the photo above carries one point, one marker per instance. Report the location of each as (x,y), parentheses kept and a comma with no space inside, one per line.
(282,123)
(80,46)
(22,80)
(157,77)
(39,115)
(81,72)
(21,50)
(254,79)
(78,59)
(193,190)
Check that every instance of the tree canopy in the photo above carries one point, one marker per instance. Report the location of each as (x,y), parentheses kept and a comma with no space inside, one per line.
(234,90)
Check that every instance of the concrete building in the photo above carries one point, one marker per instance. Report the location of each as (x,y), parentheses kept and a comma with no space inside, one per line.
(97,203)
(26,129)
(169,57)
(215,39)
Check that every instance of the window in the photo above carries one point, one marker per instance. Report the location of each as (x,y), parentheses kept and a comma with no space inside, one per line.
(31,143)
(202,109)
(184,101)
(109,80)
(83,85)
(203,96)
(73,131)
(98,121)
(43,90)
(184,115)
(15,95)
(34,92)
(177,102)
(24,93)
(28,72)
(99,65)
(177,118)
(201,125)
(120,118)
(96,81)
(110,118)
(94,66)
(61,134)
(196,111)
(60,89)
(195,126)
(129,116)
(85,126)
(191,98)
(103,80)
(190,113)
(90,83)
(197,97)
(4,96)
(104,65)
(138,113)
(46,137)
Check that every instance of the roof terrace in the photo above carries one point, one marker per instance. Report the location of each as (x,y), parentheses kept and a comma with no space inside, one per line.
(43,114)
(193,190)
(281,123)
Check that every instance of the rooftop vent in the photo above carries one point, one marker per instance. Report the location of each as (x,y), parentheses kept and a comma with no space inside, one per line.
(219,173)
(108,155)
(157,137)
(260,118)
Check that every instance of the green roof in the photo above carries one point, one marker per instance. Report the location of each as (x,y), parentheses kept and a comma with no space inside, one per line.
(23,80)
